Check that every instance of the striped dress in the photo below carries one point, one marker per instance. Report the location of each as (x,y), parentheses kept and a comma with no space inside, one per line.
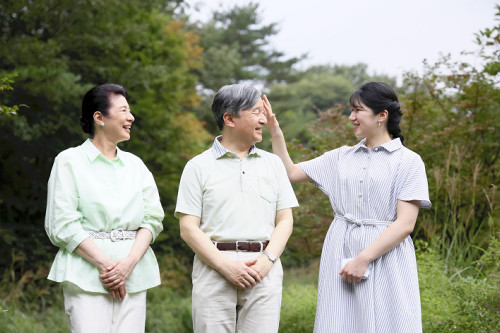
(363,186)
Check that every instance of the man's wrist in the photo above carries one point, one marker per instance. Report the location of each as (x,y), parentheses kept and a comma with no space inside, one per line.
(269,255)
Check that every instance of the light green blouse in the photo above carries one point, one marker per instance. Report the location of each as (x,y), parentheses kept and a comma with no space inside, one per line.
(88,192)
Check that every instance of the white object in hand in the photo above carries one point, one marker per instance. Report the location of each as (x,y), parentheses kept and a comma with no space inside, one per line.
(346,260)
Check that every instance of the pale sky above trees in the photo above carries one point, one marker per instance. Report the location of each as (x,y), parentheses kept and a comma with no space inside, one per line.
(391,36)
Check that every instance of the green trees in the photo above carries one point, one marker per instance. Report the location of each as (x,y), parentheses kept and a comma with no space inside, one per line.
(316,90)
(236,48)
(60,49)
(450,117)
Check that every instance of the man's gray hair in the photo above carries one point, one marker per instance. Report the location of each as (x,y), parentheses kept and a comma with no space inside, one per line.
(232,99)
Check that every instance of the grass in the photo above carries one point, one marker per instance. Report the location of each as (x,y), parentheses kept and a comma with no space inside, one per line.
(449,304)
(457,304)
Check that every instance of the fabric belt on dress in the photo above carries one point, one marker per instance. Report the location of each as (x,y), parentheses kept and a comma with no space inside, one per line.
(353,223)
(247,246)
(114,235)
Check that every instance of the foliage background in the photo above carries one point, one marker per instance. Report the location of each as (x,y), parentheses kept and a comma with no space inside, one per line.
(53,51)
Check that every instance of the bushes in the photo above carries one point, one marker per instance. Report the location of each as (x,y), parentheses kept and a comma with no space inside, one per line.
(168,311)
(25,318)
(457,304)
(298,308)
(449,304)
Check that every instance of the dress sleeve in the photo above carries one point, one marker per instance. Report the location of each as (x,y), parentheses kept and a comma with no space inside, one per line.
(415,185)
(153,211)
(190,195)
(62,217)
(322,170)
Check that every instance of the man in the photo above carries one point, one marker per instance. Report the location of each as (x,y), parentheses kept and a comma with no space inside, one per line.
(234,206)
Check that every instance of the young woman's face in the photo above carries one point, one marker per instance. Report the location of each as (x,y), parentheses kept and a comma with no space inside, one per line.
(364,121)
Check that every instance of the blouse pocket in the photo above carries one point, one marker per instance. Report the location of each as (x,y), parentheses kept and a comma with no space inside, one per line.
(268,189)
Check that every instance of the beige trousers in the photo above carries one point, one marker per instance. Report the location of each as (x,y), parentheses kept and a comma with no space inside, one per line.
(94,313)
(219,306)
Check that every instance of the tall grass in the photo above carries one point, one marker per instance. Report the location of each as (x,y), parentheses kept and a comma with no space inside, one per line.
(462,219)
(449,304)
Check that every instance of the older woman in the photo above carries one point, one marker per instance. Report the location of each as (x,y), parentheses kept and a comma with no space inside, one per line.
(103,211)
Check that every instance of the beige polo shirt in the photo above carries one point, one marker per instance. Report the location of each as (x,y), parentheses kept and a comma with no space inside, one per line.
(235,199)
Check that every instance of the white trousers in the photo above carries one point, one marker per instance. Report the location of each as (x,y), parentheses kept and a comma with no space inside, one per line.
(95,313)
(219,306)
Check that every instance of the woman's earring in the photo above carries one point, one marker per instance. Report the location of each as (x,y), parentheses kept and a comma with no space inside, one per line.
(378,124)
(102,123)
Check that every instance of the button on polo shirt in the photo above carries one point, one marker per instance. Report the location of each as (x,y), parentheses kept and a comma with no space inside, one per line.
(236,199)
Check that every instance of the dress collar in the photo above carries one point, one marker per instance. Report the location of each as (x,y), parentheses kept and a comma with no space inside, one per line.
(390,146)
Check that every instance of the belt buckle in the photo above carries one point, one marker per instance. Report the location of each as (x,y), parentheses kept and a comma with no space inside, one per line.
(261,246)
(116,235)
(237,246)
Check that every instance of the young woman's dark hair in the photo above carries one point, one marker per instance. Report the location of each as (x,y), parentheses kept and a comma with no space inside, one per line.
(379,96)
(97,99)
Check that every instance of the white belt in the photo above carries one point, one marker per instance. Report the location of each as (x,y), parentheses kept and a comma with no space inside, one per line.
(354,223)
(114,235)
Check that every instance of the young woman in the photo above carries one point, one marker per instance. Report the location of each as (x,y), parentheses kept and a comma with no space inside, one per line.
(103,211)
(368,278)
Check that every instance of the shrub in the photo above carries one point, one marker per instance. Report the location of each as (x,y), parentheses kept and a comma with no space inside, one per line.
(298,308)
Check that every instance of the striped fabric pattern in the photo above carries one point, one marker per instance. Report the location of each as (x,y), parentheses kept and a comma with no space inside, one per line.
(363,186)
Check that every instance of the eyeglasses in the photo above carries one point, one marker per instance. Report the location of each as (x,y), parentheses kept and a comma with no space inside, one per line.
(256,112)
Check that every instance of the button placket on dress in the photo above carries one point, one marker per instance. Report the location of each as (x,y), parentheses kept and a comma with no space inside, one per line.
(366,183)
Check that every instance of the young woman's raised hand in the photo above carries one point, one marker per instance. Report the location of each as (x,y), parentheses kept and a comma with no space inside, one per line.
(272,123)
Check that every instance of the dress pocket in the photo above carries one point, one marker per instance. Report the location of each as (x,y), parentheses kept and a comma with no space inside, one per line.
(268,189)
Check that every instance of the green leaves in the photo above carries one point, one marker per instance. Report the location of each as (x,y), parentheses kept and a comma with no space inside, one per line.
(60,49)
(237,48)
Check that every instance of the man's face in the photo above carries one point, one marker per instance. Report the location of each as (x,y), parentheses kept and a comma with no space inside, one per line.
(251,122)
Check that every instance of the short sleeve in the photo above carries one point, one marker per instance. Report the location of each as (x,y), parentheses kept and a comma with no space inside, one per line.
(62,217)
(286,195)
(190,195)
(322,170)
(414,185)
(153,211)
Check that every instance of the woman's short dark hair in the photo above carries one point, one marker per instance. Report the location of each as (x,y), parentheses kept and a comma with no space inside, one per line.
(232,99)
(379,96)
(97,99)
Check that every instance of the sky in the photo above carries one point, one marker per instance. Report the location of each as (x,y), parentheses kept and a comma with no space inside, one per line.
(390,36)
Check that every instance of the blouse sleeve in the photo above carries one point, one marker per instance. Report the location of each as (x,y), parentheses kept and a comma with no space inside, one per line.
(414,186)
(153,211)
(62,218)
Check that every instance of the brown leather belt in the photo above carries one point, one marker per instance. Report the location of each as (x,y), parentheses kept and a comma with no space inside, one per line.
(254,246)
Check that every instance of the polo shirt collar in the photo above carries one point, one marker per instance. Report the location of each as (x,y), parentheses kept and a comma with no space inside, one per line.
(93,153)
(390,146)
(219,150)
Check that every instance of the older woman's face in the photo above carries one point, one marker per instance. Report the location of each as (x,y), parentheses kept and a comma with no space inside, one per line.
(118,122)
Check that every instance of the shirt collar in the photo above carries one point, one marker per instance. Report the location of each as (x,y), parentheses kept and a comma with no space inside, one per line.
(93,153)
(219,150)
(390,146)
